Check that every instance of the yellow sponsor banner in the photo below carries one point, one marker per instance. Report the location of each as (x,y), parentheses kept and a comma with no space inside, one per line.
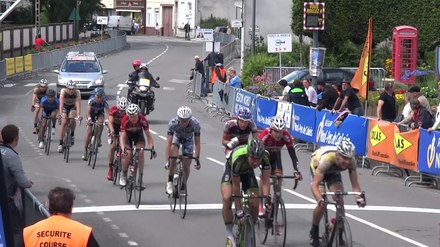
(28,62)
(19,64)
(10,66)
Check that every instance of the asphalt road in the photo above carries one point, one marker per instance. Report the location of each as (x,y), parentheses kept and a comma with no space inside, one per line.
(395,215)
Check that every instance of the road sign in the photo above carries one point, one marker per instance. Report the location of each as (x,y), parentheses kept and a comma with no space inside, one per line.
(101,20)
(314,16)
(205,35)
(235,23)
(279,42)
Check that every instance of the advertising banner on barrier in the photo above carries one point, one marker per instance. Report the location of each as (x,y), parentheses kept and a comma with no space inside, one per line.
(10,66)
(244,99)
(406,145)
(229,98)
(19,64)
(266,109)
(28,62)
(353,128)
(380,141)
(284,109)
(429,152)
(303,123)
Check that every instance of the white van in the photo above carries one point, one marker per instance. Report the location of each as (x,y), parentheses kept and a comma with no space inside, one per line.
(123,23)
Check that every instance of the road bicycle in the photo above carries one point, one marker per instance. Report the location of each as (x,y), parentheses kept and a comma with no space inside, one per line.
(47,134)
(180,188)
(67,140)
(134,180)
(274,220)
(244,226)
(337,230)
(92,148)
(117,160)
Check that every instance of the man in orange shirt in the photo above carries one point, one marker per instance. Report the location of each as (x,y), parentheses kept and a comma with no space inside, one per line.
(40,42)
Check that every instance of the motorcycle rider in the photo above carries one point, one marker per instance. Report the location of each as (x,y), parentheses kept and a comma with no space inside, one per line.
(140,71)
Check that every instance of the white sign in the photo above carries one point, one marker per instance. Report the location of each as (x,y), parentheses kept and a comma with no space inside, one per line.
(285,111)
(205,35)
(208,46)
(279,42)
(101,20)
(235,23)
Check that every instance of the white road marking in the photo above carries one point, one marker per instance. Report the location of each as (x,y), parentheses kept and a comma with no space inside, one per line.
(178,81)
(163,137)
(53,84)
(168,88)
(114,227)
(106,219)
(123,235)
(153,132)
(121,86)
(9,85)
(132,243)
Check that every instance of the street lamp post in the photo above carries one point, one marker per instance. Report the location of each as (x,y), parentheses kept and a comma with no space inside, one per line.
(254,13)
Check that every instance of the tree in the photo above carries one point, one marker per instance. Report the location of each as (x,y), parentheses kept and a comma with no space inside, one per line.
(59,11)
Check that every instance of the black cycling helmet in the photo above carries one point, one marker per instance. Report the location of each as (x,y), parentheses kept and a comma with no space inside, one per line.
(51,93)
(255,148)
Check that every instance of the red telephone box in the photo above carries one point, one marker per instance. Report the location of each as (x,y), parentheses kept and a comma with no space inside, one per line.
(404,53)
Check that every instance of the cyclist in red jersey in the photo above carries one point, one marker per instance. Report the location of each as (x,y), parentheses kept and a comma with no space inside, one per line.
(115,115)
(133,127)
(274,138)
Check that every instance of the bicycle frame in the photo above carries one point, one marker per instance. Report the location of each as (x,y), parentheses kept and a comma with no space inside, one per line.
(67,136)
(93,143)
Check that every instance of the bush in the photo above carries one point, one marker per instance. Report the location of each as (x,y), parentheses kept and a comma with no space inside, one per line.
(213,22)
(255,65)
(268,89)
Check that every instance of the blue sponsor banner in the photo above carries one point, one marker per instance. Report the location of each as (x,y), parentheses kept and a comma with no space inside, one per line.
(303,123)
(247,100)
(353,128)
(429,152)
(266,109)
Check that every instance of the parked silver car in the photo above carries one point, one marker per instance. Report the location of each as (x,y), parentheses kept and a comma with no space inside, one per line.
(82,68)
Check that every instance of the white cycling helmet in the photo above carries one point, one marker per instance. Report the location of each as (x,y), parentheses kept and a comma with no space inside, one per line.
(277,123)
(345,148)
(132,109)
(43,82)
(70,84)
(122,103)
(184,112)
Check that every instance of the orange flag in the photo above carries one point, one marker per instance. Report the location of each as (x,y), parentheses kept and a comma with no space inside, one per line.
(360,78)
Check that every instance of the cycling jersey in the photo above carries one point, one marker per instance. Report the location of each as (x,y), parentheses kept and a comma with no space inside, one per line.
(272,145)
(232,130)
(324,162)
(132,128)
(192,129)
(70,99)
(97,108)
(117,117)
(49,107)
(39,92)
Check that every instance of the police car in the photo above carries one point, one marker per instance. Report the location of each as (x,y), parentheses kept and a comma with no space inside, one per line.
(82,68)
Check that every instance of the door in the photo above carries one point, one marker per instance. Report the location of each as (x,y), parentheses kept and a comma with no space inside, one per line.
(167,21)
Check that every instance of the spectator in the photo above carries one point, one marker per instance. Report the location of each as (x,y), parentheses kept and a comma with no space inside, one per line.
(40,42)
(311,93)
(421,117)
(157,29)
(329,96)
(211,59)
(436,119)
(218,73)
(406,112)
(15,179)
(234,79)
(414,92)
(286,89)
(187,29)
(297,94)
(219,57)
(349,100)
(386,106)
(198,67)
(70,232)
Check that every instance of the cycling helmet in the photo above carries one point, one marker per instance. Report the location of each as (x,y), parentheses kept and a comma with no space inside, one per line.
(70,84)
(345,148)
(99,92)
(43,82)
(122,103)
(132,109)
(255,148)
(184,112)
(51,93)
(137,63)
(277,123)
(244,114)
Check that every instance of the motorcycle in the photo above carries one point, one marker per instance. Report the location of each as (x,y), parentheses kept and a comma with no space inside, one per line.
(142,94)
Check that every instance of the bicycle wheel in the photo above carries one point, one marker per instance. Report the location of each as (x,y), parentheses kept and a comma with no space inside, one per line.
(116,164)
(129,189)
(342,233)
(279,229)
(90,150)
(138,187)
(182,189)
(249,232)
(95,150)
(67,143)
(48,138)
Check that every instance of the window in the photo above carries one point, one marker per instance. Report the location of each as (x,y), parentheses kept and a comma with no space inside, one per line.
(156,15)
(150,17)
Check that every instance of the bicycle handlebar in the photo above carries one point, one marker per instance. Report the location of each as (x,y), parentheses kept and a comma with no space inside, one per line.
(180,157)
(289,177)
(151,150)
(343,193)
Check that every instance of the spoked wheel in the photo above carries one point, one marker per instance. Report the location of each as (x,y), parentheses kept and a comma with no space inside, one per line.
(137,188)
(264,224)
(95,151)
(279,229)
(249,233)
(90,150)
(182,189)
(173,199)
(342,233)
(67,143)
(48,138)
(129,189)
(116,171)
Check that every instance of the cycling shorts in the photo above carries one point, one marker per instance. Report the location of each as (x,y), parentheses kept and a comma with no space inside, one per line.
(48,112)
(68,108)
(136,138)
(187,145)
(329,178)
(276,163)
(248,180)
(94,115)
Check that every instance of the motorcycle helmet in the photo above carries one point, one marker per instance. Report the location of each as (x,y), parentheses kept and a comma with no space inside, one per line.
(137,63)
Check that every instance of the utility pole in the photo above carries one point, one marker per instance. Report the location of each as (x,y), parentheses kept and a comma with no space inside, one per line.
(254,13)
(37,17)
(315,44)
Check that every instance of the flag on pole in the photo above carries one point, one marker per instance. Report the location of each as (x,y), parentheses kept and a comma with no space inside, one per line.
(360,78)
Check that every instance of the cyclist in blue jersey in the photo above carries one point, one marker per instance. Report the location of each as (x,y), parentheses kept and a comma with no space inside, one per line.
(183,130)
(49,105)
(95,112)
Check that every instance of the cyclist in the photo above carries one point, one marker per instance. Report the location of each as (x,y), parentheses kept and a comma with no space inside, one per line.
(131,131)
(38,93)
(274,138)
(326,165)
(237,130)
(181,131)
(239,168)
(115,115)
(49,105)
(70,106)
(95,112)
